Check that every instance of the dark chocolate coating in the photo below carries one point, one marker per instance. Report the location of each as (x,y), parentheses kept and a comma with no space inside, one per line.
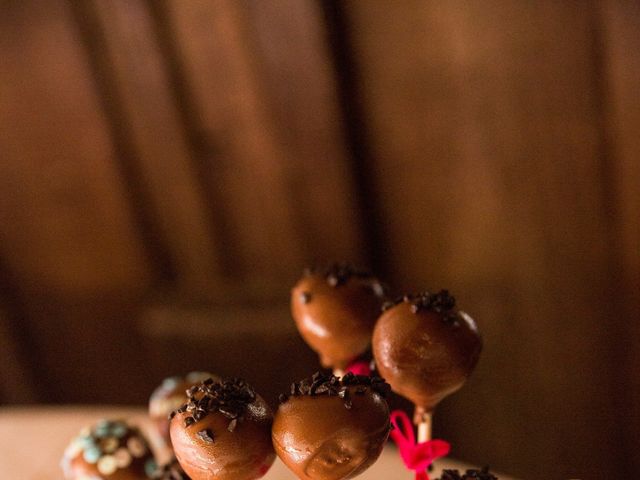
(425,355)
(110,450)
(336,321)
(246,453)
(168,397)
(318,438)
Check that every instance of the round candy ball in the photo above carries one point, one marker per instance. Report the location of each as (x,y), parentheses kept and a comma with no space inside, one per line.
(330,428)
(426,348)
(109,450)
(335,311)
(223,432)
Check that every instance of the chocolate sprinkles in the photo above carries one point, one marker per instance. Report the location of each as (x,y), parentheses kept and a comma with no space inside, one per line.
(205,435)
(229,397)
(483,474)
(338,274)
(320,384)
(305,297)
(441,302)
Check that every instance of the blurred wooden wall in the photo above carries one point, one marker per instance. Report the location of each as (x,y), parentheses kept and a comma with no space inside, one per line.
(168,167)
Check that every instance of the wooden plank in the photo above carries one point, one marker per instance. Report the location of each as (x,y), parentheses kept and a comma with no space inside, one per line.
(253,171)
(16,382)
(182,338)
(296,73)
(484,125)
(621,54)
(89,350)
(241,161)
(65,225)
(126,45)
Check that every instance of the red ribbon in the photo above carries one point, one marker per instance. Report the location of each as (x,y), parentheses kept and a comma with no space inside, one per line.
(359,367)
(416,456)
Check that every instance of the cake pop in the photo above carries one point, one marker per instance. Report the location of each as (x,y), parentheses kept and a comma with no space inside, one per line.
(426,349)
(110,450)
(169,396)
(335,311)
(328,428)
(223,432)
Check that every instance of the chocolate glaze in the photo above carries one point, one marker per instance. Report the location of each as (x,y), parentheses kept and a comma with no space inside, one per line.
(335,311)
(324,437)
(221,443)
(109,450)
(425,348)
(169,395)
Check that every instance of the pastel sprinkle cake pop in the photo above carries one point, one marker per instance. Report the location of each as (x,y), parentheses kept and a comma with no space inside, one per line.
(109,450)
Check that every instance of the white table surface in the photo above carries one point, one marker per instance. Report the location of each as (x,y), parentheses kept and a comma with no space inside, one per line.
(32,440)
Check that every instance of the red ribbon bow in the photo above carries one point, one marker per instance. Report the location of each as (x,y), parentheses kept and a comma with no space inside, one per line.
(416,456)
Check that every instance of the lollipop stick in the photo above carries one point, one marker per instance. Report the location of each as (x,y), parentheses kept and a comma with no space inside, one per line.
(424,426)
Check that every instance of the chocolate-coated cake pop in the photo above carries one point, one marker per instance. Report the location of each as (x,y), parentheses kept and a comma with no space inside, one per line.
(425,347)
(328,428)
(110,450)
(335,311)
(223,432)
(483,474)
(169,396)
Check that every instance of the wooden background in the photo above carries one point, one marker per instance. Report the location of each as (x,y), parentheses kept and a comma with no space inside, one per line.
(168,167)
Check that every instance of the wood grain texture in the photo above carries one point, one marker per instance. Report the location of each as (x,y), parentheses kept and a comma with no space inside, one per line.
(620,23)
(242,167)
(65,226)
(279,167)
(484,124)
(128,47)
(296,71)
(16,382)
(195,155)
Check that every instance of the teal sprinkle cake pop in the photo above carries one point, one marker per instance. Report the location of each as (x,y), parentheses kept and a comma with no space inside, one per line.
(109,450)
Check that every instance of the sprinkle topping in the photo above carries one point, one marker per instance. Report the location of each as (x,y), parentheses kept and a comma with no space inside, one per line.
(483,474)
(338,274)
(205,435)
(229,397)
(320,384)
(441,302)
(110,445)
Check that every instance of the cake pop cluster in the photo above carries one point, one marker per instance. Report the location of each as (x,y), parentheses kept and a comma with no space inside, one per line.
(325,427)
